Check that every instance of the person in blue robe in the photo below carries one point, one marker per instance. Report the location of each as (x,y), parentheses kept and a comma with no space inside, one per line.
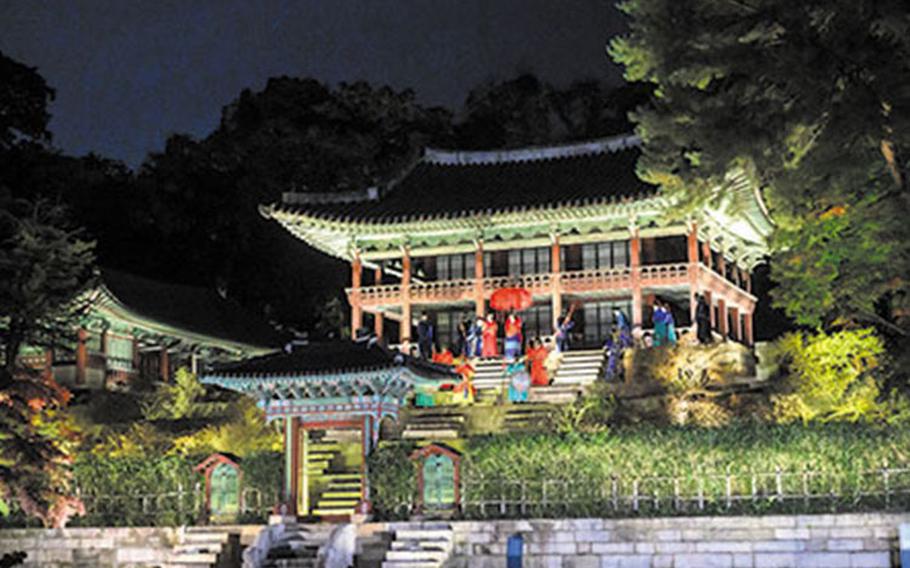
(519,381)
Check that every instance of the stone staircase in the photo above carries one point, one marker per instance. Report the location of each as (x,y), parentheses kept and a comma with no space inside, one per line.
(341,487)
(199,547)
(428,546)
(528,417)
(341,495)
(298,546)
(579,368)
(439,423)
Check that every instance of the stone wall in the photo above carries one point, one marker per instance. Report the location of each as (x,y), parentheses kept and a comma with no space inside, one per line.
(811,541)
(84,547)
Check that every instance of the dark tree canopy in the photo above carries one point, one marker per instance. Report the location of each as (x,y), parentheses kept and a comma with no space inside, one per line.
(812,101)
(24,96)
(526,111)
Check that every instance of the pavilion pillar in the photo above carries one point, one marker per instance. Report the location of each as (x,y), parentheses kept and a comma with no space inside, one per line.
(635,264)
(291,463)
(164,364)
(365,442)
(303,491)
(709,300)
(747,329)
(722,317)
(378,318)
(706,253)
(81,356)
(722,264)
(735,329)
(555,281)
(404,330)
(692,251)
(747,281)
(479,307)
(356,307)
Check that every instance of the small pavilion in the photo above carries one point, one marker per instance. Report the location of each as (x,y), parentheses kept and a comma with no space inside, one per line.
(329,390)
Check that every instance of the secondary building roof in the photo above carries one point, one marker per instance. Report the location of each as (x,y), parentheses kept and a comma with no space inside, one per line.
(198,315)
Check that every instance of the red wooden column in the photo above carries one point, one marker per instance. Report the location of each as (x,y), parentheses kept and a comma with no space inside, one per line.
(722,317)
(747,329)
(721,264)
(478,278)
(404,330)
(81,356)
(292,463)
(706,252)
(635,264)
(164,364)
(379,319)
(356,308)
(692,250)
(555,283)
(709,300)
(747,281)
(737,332)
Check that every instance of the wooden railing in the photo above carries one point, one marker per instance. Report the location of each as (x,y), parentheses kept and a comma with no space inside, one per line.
(590,280)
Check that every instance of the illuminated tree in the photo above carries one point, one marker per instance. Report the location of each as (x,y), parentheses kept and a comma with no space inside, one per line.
(811,101)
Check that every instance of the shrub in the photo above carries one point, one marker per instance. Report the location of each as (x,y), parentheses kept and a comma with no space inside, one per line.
(393,480)
(830,377)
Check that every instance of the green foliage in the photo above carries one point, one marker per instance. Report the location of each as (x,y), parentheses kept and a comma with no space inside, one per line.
(23,104)
(393,480)
(807,100)
(830,377)
(588,414)
(182,399)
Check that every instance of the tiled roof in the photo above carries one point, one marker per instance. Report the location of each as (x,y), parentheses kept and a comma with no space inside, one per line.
(330,357)
(198,310)
(447,183)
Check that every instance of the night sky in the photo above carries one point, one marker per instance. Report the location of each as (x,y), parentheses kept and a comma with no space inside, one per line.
(129,73)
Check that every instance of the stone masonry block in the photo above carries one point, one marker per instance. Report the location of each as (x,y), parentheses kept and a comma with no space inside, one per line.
(703,561)
(581,562)
(743,561)
(612,547)
(844,544)
(823,560)
(775,560)
(792,534)
(724,546)
(779,545)
(870,560)
(625,561)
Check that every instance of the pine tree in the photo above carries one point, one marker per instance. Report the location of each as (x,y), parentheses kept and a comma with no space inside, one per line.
(810,99)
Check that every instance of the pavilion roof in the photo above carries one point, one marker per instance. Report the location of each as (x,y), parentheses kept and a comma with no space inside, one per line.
(330,359)
(461,183)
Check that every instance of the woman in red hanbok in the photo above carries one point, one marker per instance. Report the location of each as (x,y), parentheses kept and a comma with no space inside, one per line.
(490,329)
(536,355)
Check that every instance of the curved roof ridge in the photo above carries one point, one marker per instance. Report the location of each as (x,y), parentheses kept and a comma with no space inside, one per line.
(532,153)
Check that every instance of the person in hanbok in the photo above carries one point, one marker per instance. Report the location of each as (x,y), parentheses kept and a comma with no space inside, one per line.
(703,320)
(490,330)
(536,355)
(426,336)
(519,380)
(461,342)
(562,332)
(671,324)
(611,349)
(513,340)
(475,338)
(623,328)
(659,319)
(464,392)
(443,357)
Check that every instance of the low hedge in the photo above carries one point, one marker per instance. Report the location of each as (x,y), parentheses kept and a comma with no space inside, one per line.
(595,474)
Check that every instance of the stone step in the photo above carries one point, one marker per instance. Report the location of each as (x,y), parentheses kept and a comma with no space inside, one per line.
(424,533)
(345,487)
(433,426)
(449,434)
(409,564)
(424,544)
(292,563)
(196,559)
(198,548)
(338,476)
(337,503)
(418,555)
(434,417)
(333,494)
(333,512)
(200,537)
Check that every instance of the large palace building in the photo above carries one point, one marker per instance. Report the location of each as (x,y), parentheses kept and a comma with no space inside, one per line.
(573,224)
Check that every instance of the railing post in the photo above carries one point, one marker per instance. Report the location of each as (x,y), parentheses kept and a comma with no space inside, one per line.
(806,486)
(886,479)
(779,483)
(729,489)
(614,490)
(676,493)
(701,493)
(635,495)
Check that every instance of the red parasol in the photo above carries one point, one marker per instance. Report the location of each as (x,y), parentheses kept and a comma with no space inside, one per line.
(506,299)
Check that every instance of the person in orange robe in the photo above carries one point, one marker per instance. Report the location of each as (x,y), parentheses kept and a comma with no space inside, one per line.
(443,357)
(536,355)
(490,329)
